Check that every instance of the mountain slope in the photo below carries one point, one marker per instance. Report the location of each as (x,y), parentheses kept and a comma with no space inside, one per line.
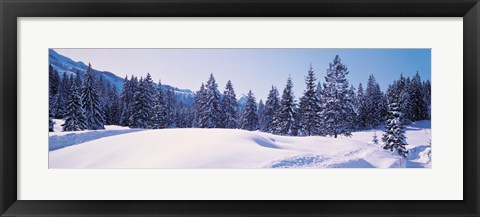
(63,64)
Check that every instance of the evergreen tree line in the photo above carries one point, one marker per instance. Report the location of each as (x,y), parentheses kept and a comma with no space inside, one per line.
(82,103)
(329,108)
(144,104)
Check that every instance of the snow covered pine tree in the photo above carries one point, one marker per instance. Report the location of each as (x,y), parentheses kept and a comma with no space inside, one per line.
(250,118)
(211,111)
(229,107)
(75,117)
(309,108)
(159,113)
(95,119)
(338,102)
(271,107)
(394,137)
(285,120)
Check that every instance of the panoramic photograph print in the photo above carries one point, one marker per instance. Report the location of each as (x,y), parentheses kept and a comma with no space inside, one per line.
(236,108)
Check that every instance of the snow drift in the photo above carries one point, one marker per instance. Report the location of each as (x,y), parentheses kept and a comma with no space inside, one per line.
(233,148)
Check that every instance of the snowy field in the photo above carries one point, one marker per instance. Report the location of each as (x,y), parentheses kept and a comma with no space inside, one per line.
(121,147)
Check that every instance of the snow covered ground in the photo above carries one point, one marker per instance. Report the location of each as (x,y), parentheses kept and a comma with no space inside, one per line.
(59,139)
(119,147)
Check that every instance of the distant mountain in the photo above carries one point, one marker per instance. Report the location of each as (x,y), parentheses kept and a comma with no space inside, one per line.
(63,64)
(242,101)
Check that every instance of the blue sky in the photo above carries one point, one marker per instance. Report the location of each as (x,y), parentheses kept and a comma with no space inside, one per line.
(255,69)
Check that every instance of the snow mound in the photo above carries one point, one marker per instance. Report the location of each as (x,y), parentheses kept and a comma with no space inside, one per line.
(233,148)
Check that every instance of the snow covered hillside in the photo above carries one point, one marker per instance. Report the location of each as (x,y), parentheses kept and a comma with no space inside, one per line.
(233,148)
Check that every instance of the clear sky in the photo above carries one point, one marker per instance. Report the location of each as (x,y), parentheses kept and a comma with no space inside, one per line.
(255,69)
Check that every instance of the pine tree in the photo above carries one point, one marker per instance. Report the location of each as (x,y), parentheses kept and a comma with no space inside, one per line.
(249,119)
(184,116)
(70,82)
(374,103)
(51,123)
(229,107)
(52,90)
(351,112)
(126,100)
(113,107)
(394,137)
(103,87)
(142,105)
(417,102)
(53,81)
(211,111)
(261,115)
(137,118)
(199,105)
(75,119)
(284,122)
(95,119)
(271,107)
(309,108)
(338,103)
(399,92)
(60,98)
(159,116)
(149,97)
(360,107)
(171,109)
(427,94)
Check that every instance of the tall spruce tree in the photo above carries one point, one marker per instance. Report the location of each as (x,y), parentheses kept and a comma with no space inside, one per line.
(249,119)
(184,116)
(352,112)
(95,118)
(60,99)
(211,111)
(361,109)
(113,107)
(75,119)
(104,86)
(229,107)
(399,92)
(338,102)
(53,81)
(427,95)
(271,107)
(394,137)
(285,119)
(199,105)
(171,109)
(159,116)
(309,108)
(126,100)
(51,123)
(137,118)
(417,102)
(143,99)
(374,103)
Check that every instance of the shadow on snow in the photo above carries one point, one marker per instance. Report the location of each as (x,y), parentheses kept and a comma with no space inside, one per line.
(58,142)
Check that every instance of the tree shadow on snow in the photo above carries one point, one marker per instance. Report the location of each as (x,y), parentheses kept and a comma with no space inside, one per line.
(265,143)
(58,142)
(356,163)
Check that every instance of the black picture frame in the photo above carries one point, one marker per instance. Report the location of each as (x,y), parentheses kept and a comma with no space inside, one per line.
(10,10)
